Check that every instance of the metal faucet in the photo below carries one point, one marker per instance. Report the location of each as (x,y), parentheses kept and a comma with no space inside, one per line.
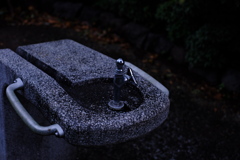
(119,80)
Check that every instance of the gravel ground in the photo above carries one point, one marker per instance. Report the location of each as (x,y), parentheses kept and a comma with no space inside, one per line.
(203,122)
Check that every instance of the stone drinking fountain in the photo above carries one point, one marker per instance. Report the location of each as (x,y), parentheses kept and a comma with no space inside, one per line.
(88,98)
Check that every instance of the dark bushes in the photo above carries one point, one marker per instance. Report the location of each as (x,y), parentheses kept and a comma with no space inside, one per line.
(209,30)
(140,11)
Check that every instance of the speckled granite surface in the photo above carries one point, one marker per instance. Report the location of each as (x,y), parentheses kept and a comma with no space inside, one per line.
(71,66)
(17,141)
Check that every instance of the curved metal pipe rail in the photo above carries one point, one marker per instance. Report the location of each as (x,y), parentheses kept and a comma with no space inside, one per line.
(26,117)
(148,78)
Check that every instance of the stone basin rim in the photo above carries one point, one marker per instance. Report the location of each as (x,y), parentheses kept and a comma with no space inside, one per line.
(120,115)
(81,125)
(145,112)
(142,106)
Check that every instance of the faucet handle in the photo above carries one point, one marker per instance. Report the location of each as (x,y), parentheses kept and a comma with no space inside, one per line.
(131,75)
(119,63)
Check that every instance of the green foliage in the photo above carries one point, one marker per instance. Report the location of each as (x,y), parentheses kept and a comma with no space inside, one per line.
(207,46)
(137,10)
(208,29)
(176,14)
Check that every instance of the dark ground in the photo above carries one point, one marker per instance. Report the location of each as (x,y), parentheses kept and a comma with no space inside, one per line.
(204,119)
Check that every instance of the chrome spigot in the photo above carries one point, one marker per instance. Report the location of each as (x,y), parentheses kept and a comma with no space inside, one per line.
(119,80)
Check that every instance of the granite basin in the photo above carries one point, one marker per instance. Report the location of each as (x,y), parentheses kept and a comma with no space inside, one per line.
(75,86)
(94,94)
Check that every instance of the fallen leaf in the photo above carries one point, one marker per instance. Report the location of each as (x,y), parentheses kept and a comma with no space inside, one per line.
(218,96)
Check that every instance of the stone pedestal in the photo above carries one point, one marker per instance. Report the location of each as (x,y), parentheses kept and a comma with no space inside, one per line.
(68,84)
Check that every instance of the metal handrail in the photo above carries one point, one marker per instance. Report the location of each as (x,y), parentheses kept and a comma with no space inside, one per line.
(25,116)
